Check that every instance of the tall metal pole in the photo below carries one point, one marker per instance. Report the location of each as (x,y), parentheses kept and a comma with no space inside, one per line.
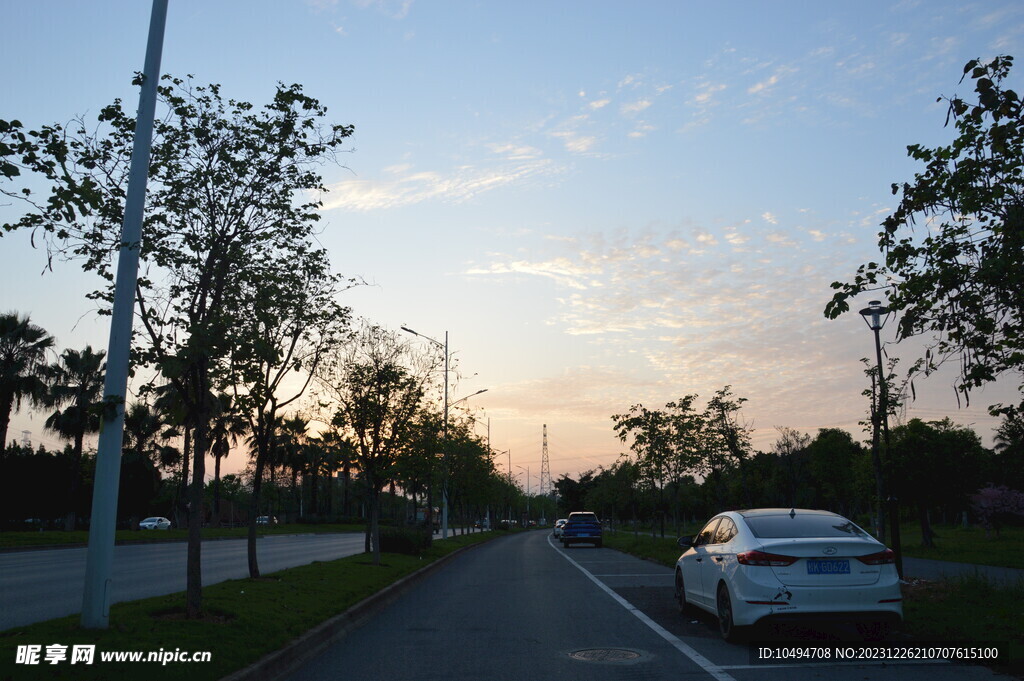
(892,501)
(100,554)
(444,460)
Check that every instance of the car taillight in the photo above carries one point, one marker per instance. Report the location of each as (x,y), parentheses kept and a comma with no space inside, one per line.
(880,558)
(764,559)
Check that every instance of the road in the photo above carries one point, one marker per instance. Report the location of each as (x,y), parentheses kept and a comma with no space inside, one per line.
(522,607)
(41,585)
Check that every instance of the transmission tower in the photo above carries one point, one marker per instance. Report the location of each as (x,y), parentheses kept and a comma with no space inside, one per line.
(545,466)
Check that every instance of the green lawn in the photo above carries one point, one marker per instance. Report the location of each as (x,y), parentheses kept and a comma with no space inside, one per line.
(246,619)
(966,545)
(81,537)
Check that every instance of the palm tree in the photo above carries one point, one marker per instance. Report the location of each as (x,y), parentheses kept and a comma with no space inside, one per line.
(23,347)
(76,391)
(225,429)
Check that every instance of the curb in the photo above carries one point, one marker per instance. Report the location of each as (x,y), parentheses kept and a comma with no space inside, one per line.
(281,662)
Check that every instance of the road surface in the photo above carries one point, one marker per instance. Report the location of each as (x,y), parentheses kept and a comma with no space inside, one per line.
(522,607)
(41,585)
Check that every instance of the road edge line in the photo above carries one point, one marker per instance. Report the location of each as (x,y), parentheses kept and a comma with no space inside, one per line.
(286,660)
(698,659)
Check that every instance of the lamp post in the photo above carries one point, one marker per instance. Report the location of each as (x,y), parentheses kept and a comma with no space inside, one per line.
(875,316)
(527,469)
(444,430)
(509,452)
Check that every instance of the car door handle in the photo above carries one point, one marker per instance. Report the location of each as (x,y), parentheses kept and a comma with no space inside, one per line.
(718,559)
(698,560)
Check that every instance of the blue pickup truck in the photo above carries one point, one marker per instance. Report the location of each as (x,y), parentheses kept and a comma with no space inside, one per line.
(582,527)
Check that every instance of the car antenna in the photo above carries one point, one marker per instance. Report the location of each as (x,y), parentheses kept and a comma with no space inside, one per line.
(792,513)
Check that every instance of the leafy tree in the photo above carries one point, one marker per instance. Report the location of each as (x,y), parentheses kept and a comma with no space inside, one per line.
(226,428)
(377,384)
(23,348)
(791,453)
(958,279)
(935,463)
(76,391)
(290,323)
(233,196)
(837,465)
(729,436)
(1008,461)
(650,434)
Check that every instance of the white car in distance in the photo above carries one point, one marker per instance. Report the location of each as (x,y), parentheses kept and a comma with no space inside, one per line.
(155,523)
(747,567)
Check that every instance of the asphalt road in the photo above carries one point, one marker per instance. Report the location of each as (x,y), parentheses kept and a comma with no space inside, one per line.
(41,585)
(523,608)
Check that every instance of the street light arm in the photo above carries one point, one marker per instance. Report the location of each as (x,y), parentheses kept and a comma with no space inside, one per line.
(420,335)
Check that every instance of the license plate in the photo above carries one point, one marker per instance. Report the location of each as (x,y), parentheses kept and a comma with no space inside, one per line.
(828,567)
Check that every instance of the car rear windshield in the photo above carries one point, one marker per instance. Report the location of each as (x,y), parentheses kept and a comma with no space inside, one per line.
(802,526)
(583,518)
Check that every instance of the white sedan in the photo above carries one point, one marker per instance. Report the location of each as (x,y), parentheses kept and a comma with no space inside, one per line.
(779,564)
(155,523)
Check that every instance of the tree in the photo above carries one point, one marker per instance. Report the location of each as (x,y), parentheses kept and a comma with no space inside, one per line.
(960,280)
(233,196)
(652,441)
(1008,461)
(290,323)
(791,451)
(23,348)
(937,463)
(76,391)
(226,427)
(377,385)
(730,437)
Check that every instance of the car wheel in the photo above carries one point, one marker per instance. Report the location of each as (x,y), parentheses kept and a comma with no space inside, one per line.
(730,632)
(681,593)
(598,544)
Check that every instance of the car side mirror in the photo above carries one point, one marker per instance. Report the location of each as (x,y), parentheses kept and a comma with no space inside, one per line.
(685,542)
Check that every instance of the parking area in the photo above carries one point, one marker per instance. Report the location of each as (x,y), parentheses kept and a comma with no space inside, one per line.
(646,589)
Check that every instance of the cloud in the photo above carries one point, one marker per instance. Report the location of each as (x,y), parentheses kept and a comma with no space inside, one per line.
(599,104)
(516,152)
(458,185)
(636,107)
(769,218)
(575,142)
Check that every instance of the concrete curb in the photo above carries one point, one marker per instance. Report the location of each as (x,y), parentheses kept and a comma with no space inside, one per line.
(281,662)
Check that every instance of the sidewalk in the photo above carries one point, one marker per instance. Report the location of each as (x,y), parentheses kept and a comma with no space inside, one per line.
(922,568)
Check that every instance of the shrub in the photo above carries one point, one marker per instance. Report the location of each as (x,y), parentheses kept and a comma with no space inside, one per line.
(408,541)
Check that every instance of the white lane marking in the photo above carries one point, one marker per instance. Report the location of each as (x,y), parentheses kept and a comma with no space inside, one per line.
(701,661)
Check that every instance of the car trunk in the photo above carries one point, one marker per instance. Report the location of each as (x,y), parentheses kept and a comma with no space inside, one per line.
(825,562)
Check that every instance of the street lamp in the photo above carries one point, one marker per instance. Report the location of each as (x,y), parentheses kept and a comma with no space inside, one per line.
(527,469)
(444,455)
(875,316)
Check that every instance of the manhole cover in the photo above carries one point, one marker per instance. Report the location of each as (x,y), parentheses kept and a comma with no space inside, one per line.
(604,655)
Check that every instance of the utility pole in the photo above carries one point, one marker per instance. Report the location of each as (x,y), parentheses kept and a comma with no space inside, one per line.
(100,554)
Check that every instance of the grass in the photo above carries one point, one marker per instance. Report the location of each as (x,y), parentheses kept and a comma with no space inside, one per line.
(952,543)
(20,540)
(935,611)
(966,545)
(246,619)
(963,611)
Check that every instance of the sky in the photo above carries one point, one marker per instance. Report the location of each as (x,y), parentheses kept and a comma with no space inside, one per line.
(601,203)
